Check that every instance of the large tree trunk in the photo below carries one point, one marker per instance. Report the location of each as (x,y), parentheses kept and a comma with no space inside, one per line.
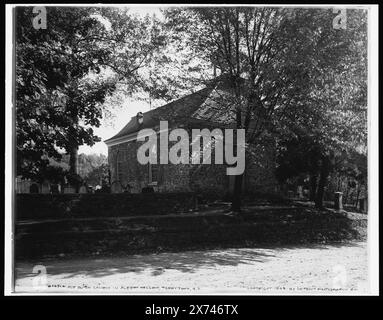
(72,149)
(313,186)
(237,193)
(73,160)
(73,144)
(345,198)
(357,196)
(325,171)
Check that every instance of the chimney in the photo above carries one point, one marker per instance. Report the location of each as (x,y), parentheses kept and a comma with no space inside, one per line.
(140,118)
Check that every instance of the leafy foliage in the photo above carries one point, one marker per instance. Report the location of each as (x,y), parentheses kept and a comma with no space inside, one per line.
(98,176)
(51,94)
(288,70)
(297,157)
(64,74)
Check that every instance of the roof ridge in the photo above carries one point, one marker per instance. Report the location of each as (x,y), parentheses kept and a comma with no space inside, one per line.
(177,100)
(204,93)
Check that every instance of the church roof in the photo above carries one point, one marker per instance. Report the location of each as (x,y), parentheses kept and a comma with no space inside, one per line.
(200,105)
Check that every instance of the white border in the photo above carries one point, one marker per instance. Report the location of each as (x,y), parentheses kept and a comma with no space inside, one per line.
(373,156)
(8,189)
(373,148)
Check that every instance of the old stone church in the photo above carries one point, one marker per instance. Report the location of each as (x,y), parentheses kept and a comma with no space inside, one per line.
(207,108)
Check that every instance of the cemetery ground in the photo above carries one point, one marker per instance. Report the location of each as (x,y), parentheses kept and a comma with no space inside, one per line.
(268,248)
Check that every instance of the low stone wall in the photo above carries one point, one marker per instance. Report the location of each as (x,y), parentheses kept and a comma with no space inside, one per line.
(49,206)
(116,235)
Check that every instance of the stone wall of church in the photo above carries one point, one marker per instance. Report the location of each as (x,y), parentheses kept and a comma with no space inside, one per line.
(127,175)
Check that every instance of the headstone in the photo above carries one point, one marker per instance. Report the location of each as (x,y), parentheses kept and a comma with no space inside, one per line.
(55,189)
(300,192)
(82,189)
(45,187)
(363,205)
(338,201)
(115,187)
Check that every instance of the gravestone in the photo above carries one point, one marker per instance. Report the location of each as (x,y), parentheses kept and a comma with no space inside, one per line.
(338,204)
(300,192)
(45,187)
(82,189)
(115,187)
(55,188)
(363,205)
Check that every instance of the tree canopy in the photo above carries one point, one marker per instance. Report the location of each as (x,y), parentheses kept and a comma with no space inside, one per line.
(292,75)
(290,69)
(65,72)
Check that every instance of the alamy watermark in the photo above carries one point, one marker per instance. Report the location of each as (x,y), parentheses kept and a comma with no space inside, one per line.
(40,20)
(40,281)
(185,151)
(340,21)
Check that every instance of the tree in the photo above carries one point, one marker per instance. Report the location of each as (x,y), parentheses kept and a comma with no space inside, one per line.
(272,58)
(65,72)
(98,176)
(299,157)
(88,163)
(335,113)
(51,94)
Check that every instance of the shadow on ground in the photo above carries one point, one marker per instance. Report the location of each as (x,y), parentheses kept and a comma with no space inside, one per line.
(156,264)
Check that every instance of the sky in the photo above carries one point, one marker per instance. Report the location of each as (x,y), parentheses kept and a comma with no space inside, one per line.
(130,108)
(110,128)
(144,10)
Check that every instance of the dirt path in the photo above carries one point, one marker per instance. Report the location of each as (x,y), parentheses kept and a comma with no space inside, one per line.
(315,269)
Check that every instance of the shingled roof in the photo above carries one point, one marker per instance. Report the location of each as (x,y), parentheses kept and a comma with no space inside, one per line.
(174,111)
(181,110)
